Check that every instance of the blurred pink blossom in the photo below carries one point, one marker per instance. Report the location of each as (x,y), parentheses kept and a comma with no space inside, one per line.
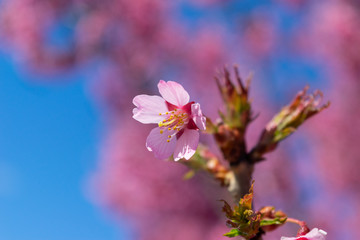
(139,41)
(155,197)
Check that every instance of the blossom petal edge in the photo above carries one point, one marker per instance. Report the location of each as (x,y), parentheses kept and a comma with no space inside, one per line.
(198,117)
(148,108)
(314,234)
(156,142)
(186,144)
(173,93)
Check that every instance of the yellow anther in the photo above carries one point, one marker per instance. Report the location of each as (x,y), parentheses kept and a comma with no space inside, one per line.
(160,114)
(167,113)
(169,136)
(169,129)
(174,127)
(166,123)
(168,140)
(161,131)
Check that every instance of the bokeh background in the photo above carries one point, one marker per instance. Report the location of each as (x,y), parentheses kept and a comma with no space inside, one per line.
(72,160)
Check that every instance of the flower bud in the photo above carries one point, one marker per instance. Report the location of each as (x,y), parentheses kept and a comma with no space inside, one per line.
(287,121)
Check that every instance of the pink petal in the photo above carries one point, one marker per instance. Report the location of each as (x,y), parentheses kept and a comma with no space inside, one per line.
(314,234)
(186,145)
(288,238)
(198,118)
(148,108)
(157,142)
(173,93)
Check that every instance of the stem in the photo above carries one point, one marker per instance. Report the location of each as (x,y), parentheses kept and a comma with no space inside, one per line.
(304,229)
(243,176)
(293,220)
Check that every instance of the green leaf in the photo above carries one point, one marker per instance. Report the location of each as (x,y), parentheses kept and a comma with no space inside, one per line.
(271,219)
(275,221)
(243,220)
(233,233)
(280,135)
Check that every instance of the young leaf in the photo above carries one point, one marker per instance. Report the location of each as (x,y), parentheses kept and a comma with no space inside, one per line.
(275,221)
(233,233)
(243,220)
(271,219)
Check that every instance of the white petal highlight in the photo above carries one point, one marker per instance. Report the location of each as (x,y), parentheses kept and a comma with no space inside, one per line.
(198,117)
(173,93)
(148,108)
(186,145)
(316,234)
(157,142)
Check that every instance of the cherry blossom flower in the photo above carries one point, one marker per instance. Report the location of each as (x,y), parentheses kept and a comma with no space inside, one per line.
(179,121)
(314,234)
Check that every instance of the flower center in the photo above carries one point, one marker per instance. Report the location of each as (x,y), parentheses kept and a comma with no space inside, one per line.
(174,122)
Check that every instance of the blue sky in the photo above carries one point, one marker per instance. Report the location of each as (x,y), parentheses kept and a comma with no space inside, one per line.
(49,140)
